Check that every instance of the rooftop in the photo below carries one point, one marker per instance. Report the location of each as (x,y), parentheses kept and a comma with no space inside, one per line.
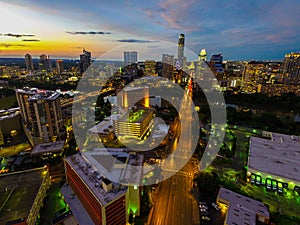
(91,175)
(135,115)
(18,191)
(242,210)
(117,164)
(38,93)
(279,155)
(51,147)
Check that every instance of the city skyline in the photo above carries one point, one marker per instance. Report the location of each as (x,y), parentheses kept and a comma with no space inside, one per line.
(238,30)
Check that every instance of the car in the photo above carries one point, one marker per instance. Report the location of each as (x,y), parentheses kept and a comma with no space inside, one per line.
(216,207)
(268,184)
(258,180)
(280,188)
(253,179)
(203,207)
(202,203)
(274,185)
(203,210)
(206,218)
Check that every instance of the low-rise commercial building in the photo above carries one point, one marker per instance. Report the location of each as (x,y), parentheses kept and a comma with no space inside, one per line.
(275,159)
(241,210)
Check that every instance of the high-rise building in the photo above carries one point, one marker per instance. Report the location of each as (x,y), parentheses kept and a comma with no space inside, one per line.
(29,63)
(291,68)
(216,65)
(130,58)
(59,66)
(133,96)
(180,51)
(167,66)
(202,55)
(150,68)
(85,61)
(45,64)
(41,113)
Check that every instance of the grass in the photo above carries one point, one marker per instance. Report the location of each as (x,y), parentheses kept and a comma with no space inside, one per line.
(7,102)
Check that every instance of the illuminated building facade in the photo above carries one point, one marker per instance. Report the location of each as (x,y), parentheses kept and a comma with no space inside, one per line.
(41,112)
(202,55)
(29,63)
(85,61)
(291,68)
(150,68)
(134,123)
(133,96)
(252,76)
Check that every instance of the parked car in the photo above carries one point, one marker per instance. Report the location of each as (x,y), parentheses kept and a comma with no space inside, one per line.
(216,207)
(206,218)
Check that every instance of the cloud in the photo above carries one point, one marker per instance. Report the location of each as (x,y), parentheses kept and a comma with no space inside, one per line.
(135,41)
(18,35)
(173,14)
(87,32)
(31,40)
(7,45)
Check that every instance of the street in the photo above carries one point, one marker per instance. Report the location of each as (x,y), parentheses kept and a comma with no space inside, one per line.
(176,202)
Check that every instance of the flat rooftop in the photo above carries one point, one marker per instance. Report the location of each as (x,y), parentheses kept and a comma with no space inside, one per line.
(17,193)
(279,155)
(92,176)
(242,210)
(104,126)
(51,147)
(135,115)
(116,163)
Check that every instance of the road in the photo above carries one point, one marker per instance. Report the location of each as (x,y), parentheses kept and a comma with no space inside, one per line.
(176,202)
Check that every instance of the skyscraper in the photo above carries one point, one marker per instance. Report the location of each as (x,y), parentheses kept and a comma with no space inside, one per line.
(45,63)
(202,55)
(59,66)
(216,65)
(85,61)
(130,58)
(167,66)
(291,68)
(29,63)
(180,52)
(41,113)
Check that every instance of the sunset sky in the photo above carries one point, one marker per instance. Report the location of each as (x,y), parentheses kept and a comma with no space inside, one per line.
(265,29)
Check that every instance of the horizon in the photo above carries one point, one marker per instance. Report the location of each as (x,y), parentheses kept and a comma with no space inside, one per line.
(239,30)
